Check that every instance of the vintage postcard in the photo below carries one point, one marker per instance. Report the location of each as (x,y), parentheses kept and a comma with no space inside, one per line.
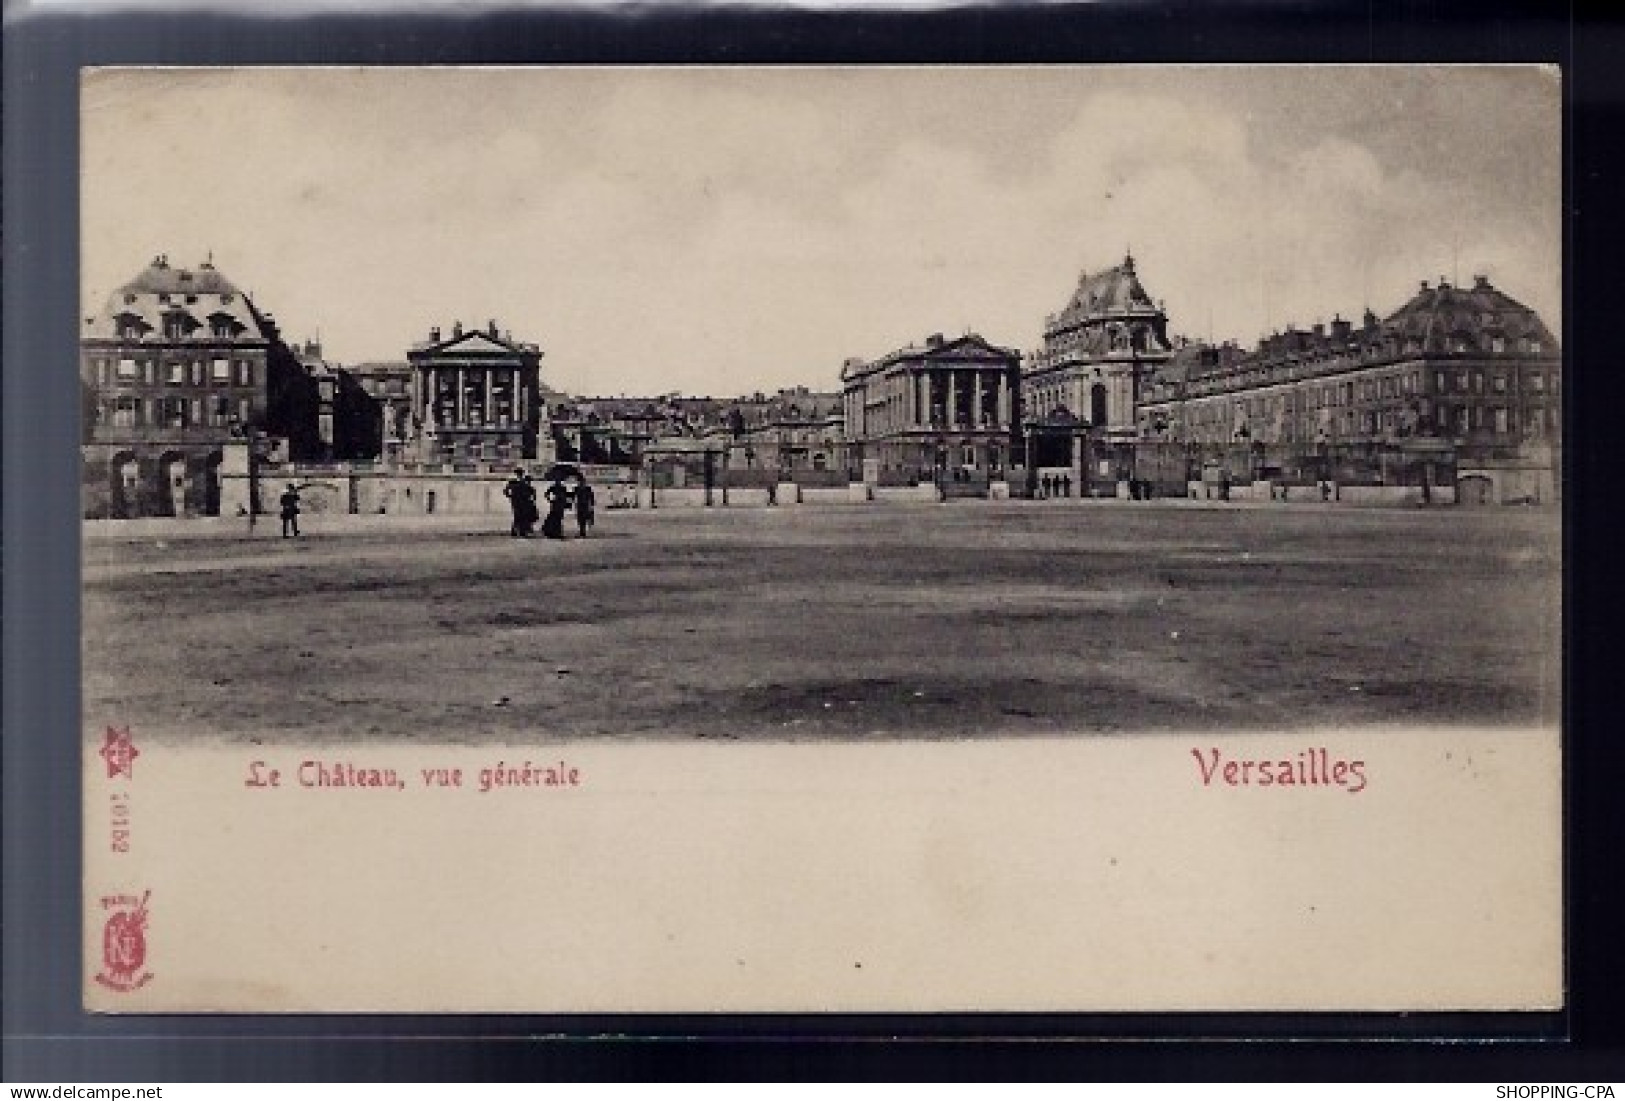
(835,539)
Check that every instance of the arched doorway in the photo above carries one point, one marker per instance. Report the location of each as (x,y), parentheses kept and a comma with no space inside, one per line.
(172,484)
(123,477)
(1475,491)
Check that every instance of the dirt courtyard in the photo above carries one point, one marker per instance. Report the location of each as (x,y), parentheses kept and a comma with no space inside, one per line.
(953,621)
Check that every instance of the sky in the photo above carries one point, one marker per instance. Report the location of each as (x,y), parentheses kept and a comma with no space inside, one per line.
(721,231)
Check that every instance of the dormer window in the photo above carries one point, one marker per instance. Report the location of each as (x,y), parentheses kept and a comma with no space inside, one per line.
(178,325)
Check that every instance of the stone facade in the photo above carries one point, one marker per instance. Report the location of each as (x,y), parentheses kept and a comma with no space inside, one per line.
(175,365)
(945,410)
(1099,352)
(476,397)
(1467,372)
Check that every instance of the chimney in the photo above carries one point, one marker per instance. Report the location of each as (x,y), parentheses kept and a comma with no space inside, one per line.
(1481,282)
(456,328)
(434,334)
(1424,284)
(1340,328)
(491,326)
(1320,331)
(934,340)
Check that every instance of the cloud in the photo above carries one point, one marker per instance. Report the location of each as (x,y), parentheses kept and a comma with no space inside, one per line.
(721,230)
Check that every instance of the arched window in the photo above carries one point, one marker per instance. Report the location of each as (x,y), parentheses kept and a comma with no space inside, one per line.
(1097,405)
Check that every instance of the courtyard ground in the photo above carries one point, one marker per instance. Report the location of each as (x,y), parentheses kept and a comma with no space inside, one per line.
(963,620)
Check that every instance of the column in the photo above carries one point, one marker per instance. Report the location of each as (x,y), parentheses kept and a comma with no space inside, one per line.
(977,378)
(462,396)
(923,405)
(1004,400)
(953,399)
(489,377)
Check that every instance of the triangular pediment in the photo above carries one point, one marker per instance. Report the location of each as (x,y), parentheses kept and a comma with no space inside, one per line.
(476,343)
(970,346)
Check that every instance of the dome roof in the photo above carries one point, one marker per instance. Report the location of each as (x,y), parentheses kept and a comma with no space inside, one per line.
(1446,312)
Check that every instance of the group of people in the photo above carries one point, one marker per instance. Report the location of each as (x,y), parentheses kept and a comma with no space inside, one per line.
(1054,485)
(561,499)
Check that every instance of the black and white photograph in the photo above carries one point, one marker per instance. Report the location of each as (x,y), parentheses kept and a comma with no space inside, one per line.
(819,538)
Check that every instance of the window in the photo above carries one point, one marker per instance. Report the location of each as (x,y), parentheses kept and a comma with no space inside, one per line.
(1534,347)
(197,372)
(1501,420)
(1498,344)
(176,373)
(1498,383)
(125,411)
(245,373)
(127,370)
(220,370)
(1537,383)
(1461,381)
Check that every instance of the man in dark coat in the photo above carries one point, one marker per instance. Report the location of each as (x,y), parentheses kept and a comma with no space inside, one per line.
(521,496)
(290,511)
(584,503)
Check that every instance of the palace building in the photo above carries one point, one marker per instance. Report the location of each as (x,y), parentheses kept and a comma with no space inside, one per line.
(175,368)
(934,410)
(477,396)
(1468,370)
(1098,353)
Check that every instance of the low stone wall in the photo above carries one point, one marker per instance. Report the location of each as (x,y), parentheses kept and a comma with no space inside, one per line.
(907,494)
(786,493)
(747,497)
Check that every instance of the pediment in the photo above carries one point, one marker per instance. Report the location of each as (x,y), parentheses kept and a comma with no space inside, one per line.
(476,344)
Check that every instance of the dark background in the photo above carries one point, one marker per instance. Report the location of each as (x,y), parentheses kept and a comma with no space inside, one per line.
(49,1039)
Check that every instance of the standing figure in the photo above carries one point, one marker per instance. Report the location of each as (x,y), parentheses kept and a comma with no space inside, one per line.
(514,491)
(558,499)
(290,511)
(584,502)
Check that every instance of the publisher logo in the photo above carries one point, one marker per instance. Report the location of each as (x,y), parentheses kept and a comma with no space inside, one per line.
(124,943)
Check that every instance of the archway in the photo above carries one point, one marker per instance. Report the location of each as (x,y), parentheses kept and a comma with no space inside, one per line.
(1097,405)
(123,478)
(172,484)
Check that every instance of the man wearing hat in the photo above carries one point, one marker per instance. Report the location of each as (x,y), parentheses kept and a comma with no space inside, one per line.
(521,496)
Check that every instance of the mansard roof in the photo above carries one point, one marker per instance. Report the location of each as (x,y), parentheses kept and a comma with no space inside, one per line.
(1445,311)
(159,290)
(1114,292)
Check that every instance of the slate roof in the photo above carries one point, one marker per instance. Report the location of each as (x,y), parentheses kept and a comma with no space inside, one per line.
(1113,292)
(1479,312)
(160,289)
